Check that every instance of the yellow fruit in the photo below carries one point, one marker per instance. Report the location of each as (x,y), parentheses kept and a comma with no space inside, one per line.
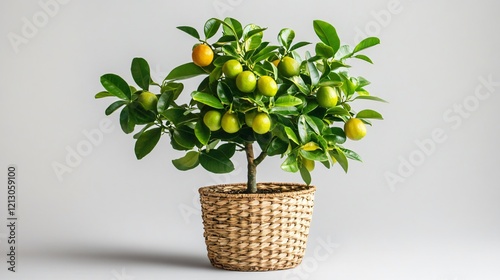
(355,129)
(308,164)
(148,100)
(289,67)
(276,62)
(249,116)
(230,122)
(202,55)
(261,123)
(267,86)
(212,119)
(327,97)
(232,68)
(246,81)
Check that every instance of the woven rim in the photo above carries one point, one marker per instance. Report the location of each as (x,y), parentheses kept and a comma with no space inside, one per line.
(256,232)
(286,189)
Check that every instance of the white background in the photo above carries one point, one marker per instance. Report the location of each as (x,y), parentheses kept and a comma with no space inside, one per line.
(113,217)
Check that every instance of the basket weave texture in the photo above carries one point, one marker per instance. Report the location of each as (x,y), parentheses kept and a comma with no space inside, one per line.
(256,232)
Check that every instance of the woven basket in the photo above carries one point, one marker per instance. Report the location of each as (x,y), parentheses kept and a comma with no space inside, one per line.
(256,232)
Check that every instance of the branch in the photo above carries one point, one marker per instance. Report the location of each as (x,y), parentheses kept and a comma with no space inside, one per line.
(260,158)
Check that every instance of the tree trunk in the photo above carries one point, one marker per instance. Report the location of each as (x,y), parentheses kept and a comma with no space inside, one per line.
(252,169)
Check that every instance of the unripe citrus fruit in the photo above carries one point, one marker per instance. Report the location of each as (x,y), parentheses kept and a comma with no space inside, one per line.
(230,122)
(355,129)
(212,119)
(308,164)
(148,100)
(289,67)
(267,86)
(327,97)
(202,55)
(246,81)
(232,68)
(261,123)
(249,116)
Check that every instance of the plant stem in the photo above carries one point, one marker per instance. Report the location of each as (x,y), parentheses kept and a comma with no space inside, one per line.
(252,167)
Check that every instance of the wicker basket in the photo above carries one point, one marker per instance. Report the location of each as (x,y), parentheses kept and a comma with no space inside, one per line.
(256,232)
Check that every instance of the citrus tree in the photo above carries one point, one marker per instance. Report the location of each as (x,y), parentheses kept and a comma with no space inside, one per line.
(254,96)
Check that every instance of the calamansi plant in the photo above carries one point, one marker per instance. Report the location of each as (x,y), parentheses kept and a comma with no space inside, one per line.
(254,94)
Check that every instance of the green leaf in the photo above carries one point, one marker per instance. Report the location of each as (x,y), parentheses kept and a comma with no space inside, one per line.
(211,27)
(141,72)
(323,50)
(185,71)
(103,94)
(202,132)
(340,157)
(291,135)
(335,135)
(363,57)
(184,136)
(369,114)
(187,162)
(350,154)
(313,123)
(174,114)
(338,111)
(290,164)
(146,142)
(175,88)
(263,54)
(114,106)
(366,43)
(227,149)
(285,111)
(164,101)
(277,147)
(253,36)
(306,176)
(327,34)
(216,162)
(141,115)
(285,37)
(287,101)
(116,86)
(300,84)
(126,121)
(313,73)
(219,61)
(190,30)
(303,129)
(298,45)
(224,93)
(207,99)
(370,97)
(233,27)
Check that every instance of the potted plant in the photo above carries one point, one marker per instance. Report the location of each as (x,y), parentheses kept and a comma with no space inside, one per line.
(254,96)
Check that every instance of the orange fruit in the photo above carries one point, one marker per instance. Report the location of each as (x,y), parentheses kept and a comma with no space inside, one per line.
(355,129)
(267,86)
(202,55)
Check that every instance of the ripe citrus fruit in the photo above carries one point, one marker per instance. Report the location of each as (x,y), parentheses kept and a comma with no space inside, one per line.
(289,67)
(232,68)
(246,81)
(355,129)
(230,122)
(308,164)
(261,123)
(202,55)
(212,119)
(276,62)
(327,97)
(267,86)
(148,100)
(249,116)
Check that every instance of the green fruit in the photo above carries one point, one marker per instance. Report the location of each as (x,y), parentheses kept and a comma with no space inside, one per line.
(327,97)
(261,123)
(212,119)
(289,67)
(249,116)
(246,81)
(232,68)
(148,100)
(267,86)
(230,122)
